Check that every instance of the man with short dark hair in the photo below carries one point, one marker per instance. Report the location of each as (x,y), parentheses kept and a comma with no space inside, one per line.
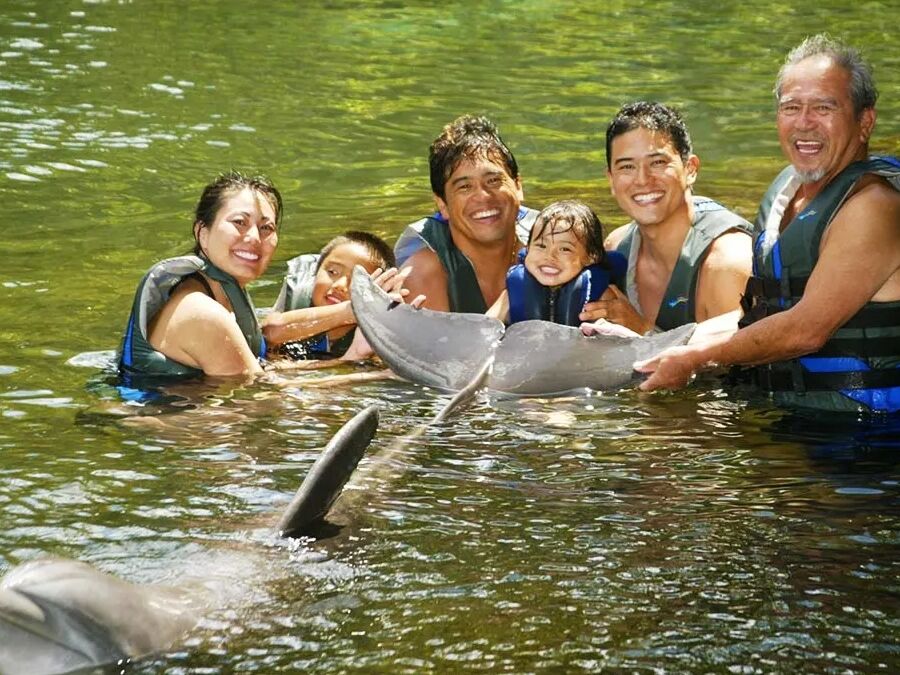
(688,257)
(823,327)
(460,255)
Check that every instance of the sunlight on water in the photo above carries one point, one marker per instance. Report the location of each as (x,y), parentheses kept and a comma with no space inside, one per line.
(698,532)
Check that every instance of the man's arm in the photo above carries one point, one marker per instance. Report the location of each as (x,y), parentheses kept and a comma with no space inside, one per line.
(614,305)
(429,278)
(859,260)
(723,275)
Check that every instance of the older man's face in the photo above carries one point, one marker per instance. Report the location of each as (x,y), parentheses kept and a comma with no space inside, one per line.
(819,132)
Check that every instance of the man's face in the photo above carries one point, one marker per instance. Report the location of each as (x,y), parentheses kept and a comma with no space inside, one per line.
(648,178)
(481,201)
(819,132)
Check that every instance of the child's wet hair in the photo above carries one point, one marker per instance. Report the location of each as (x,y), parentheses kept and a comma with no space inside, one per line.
(380,252)
(570,214)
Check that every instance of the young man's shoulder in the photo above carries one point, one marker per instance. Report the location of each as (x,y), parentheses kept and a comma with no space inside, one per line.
(730,251)
(614,238)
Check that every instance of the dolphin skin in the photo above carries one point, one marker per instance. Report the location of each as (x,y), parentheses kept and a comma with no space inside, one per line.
(328,474)
(532,358)
(58,616)
(61,616)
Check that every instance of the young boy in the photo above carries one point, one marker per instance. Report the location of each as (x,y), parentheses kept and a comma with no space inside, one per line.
(312,317)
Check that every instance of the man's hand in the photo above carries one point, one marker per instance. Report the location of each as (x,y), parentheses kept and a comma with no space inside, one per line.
(670,369)
(604,327)
(391,282)
(614,306)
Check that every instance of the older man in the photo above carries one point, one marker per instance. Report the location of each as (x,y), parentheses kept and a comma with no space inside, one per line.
(460,255)
(823,327)
(688,257)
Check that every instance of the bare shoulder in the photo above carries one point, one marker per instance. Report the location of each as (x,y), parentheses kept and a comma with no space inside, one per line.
(614,238)
(424,261)
(429,278)
(733,251)
(863,241)
(869,218)
(193,306)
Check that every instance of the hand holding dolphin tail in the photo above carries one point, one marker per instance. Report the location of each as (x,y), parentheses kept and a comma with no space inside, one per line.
(438,349)
(530,358)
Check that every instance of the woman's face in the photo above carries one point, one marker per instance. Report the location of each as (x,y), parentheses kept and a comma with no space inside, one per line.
(243,236)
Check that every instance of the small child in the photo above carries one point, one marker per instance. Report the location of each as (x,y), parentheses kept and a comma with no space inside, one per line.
(312,317)
(564,267)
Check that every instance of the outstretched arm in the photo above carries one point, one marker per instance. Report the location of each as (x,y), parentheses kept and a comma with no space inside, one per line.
(859,261)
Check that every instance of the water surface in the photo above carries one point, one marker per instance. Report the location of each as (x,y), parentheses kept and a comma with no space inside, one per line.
(692,532)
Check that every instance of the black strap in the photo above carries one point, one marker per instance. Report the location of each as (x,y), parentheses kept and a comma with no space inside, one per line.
(860,347)
(783,380)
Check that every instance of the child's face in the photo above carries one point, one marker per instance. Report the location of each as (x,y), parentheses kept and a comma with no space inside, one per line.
(332,283)
(555,258)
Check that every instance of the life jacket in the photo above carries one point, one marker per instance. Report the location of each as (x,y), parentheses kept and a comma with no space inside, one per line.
(433,232)
(858,368)
(296,293)
(528,299)
(678,306)
(138,357)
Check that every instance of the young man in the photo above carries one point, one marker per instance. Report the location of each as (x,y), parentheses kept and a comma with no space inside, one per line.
(689,257)
(827,255)
(460,255)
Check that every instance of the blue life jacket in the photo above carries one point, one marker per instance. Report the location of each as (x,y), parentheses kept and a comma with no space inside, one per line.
(528,299)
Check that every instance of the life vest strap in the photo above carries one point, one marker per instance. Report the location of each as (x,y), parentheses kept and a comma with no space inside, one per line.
(771,379)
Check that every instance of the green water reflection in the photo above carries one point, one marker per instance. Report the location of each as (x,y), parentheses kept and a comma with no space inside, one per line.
(680,533)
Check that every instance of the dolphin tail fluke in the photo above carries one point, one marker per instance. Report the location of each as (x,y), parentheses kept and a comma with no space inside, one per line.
(329,474)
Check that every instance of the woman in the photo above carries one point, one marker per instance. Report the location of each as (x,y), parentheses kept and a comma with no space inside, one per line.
(192,315)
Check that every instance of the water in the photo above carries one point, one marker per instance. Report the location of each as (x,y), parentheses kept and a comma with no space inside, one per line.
(692,532)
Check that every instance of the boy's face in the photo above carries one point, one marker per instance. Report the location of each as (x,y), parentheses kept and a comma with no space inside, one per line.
(332,283)
(556,257)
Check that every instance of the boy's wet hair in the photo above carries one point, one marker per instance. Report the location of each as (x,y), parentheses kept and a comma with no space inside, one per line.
(570,214)
(380,252)
(467,137)
(214,195)
(652,116)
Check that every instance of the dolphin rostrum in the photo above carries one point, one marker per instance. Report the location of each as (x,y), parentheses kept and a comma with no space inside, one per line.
(531,358)
(59,616)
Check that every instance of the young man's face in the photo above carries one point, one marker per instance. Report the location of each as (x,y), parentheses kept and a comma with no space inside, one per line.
(481,201)
(648,178)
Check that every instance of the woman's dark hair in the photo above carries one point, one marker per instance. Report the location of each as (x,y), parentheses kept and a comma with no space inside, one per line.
(215,194)
(378,249)
(570,214)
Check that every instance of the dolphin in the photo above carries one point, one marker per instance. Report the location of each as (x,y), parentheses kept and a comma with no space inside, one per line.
(531,358)
(61,616)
